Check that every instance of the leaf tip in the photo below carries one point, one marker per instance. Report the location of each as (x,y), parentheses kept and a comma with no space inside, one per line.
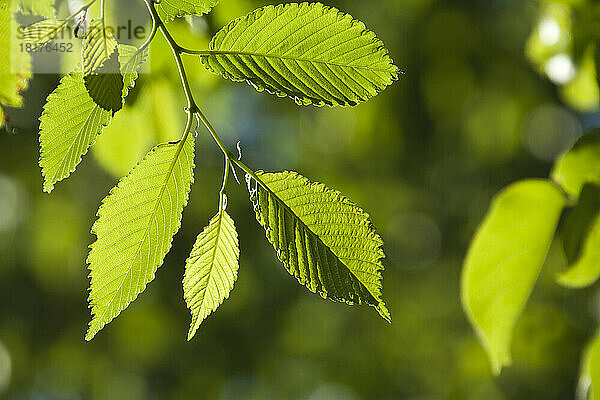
(498,363)
(574,279)
(498,356)
(384,312)
(48,187)
(90,334)
(94,327)
(191,333)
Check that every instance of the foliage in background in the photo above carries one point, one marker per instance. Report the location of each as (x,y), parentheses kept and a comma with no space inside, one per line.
(511,245)
(439,159)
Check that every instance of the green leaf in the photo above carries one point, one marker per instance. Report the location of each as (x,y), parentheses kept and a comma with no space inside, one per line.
(131,59)
(579,221)
(170,9)
(98,45)
(101,67)
(15,67)
(136,224)
(211,269)
(106,86)
(589,379)
(2,118)
(504,260)
(151,119)
(309,52)
(127,139)
(322,238)
(581,92)
(37,7)
(40,33)
(579,165)
(69,124)
(581,238)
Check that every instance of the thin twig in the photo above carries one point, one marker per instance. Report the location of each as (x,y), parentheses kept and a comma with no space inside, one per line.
(192,108)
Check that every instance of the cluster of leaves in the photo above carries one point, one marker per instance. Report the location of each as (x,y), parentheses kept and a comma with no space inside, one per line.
(566,35)
(308,52)
(509,249)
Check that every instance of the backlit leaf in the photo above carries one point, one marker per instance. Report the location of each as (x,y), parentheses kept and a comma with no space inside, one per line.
(211,269)
(579,165)
(98,46)
(581,237)
(131,60)
(309,52)
(322,238)
(135,226)
(69,125)
(105,86)
(101,67)
(504,260)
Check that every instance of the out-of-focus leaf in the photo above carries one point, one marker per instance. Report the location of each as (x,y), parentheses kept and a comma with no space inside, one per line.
(135,226)
(579,165)
(126,140)
(589,378)
(152,119)
(309,52)
(582,91)
(15,67)
(504,261)
(578,221)
(581,237)
(211,269)
(323,239)
(539,49)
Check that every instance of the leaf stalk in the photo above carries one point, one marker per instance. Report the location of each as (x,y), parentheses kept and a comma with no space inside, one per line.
(192,108)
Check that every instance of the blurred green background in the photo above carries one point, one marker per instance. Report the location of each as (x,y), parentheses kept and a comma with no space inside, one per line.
(493,91)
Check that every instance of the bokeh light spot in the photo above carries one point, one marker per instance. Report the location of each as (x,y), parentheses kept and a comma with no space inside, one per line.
(548,130)
(549,31)
(560,69)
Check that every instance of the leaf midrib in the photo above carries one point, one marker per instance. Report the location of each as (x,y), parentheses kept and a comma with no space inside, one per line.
(213,257)
(302,59)
(76,138)
(262,184)
(166,181)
